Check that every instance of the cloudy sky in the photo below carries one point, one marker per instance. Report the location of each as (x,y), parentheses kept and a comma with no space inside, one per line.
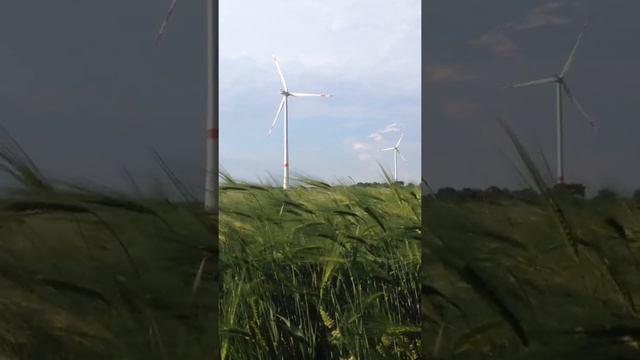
(354,50)
(86,92)
(474,48)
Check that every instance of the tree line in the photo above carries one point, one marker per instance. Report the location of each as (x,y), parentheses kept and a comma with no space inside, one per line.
(494,193)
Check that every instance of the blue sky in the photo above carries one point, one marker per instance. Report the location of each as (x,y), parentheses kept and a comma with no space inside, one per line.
(86,92)
(469,58)
(354,50)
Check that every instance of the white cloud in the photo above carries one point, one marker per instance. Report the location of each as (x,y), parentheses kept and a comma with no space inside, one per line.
(337,24)
(340,38)
(543,15)
(377,136)
(443,72)
(498,39)
(390,128)
(369,61)
(457,109)
(499,43)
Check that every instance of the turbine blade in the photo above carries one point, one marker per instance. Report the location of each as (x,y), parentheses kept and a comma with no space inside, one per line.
(280,73)
(306,94)
(277,114)
(391,148)
(575,102)
(398,143)
(402,157)
(567,65)
(165,21)
(535,82)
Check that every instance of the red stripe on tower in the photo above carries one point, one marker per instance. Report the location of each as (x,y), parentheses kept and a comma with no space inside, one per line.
(285,165)
(212,134)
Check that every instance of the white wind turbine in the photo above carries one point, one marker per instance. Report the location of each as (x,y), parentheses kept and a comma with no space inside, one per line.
(561,85)
(395,157)
(284,103)
(211,177)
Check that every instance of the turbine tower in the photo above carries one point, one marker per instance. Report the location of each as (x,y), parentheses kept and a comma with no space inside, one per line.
(285,103)
(561,86)
(211,177)
(395,157)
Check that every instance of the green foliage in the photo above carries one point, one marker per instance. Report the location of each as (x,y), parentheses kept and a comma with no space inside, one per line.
(320,271)
(555,277)
(85,275)
(527,295)
(316,272)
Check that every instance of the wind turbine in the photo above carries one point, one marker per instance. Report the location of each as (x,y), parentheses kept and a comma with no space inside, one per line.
(211,178)
(285,103)
(395,157)
(561,86)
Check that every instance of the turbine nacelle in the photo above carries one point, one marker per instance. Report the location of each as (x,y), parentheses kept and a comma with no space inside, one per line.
(284,91)
(562,89)
(559,79)
(396,151)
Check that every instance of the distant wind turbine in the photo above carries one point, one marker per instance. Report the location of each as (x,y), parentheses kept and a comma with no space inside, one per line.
(561,85)
(395,157)
(211,177)
(284,103)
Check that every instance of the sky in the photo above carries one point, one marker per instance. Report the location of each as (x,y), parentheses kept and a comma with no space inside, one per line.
(472,49)
(87,94)
(370,63)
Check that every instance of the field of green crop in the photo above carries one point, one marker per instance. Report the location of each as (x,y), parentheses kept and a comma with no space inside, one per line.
(87,277)
(531,281)
(316,272)
(320,272)
(92,275)
(552,277)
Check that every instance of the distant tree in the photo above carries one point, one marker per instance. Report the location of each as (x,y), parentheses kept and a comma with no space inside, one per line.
(576,189)
(528,196)
(494,190)
(636,196)
(469,194)
(606,194)
(447,194)
(370,184)
(495,194)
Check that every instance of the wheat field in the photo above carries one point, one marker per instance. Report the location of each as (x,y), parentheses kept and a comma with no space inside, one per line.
(551,275)
(320,271)
(316,272)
